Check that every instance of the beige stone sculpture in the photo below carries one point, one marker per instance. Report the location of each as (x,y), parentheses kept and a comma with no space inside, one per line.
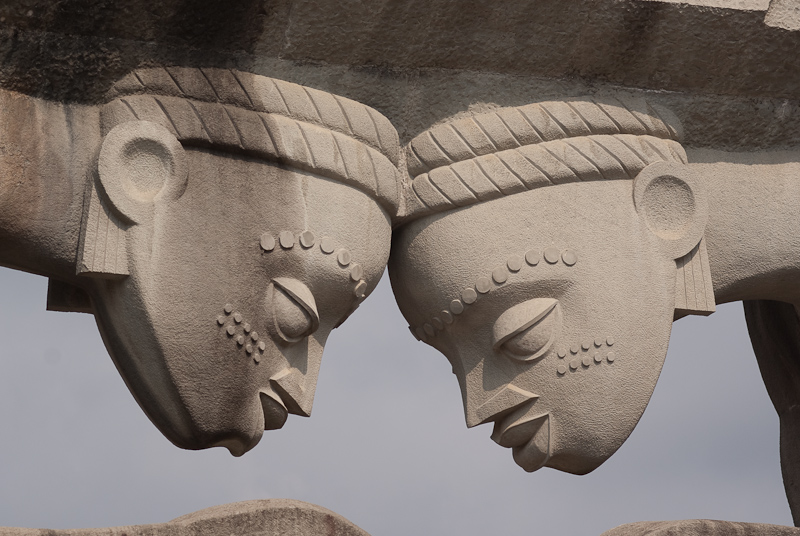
(269,517)
(218,224)
(546,251)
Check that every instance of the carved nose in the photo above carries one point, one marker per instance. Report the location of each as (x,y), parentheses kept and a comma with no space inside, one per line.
(505,401)
(297,384)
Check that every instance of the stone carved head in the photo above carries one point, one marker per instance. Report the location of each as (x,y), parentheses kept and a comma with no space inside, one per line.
(232,223)
(546,251)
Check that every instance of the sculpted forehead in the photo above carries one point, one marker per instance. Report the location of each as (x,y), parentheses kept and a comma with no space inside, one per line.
(565,231)
(241,198)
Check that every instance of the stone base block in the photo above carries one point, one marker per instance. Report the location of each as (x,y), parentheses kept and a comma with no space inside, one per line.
(272,517)
(701,527)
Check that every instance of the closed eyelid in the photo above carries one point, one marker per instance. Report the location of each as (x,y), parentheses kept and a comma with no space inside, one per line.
(301,294)
(521,317)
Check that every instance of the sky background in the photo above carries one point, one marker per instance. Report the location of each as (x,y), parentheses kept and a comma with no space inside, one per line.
(386,446)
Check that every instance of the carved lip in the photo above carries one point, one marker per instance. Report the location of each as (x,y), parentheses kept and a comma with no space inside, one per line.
(527,433)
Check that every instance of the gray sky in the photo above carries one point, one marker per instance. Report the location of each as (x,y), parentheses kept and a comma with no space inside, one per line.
(386,447)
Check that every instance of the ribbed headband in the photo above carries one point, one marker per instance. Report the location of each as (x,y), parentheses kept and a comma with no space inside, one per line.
(242,112)
(513,150)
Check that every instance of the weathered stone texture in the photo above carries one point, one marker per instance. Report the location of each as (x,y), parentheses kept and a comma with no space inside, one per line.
(271,517)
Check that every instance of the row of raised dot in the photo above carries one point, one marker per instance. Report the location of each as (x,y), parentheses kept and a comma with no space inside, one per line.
(514,264)
(586,361)
(286,239)
(327,245)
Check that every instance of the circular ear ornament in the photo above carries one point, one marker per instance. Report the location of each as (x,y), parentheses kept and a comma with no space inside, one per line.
(673,204)
(141,163)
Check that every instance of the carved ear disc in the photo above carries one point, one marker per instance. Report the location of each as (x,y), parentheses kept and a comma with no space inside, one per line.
(674,205)
(141,163)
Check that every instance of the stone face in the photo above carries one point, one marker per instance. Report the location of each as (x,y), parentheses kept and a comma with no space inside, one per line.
(272,517)
(576,176)
(560,354)
(622,231)
(226,225)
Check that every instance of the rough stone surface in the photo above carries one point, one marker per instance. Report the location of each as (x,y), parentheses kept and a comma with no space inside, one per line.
(622,231)
(700,527)
(196,213)
(272,517)
(218,186)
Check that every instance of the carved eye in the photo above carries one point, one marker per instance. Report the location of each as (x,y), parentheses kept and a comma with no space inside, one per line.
(292,308)
(526,331)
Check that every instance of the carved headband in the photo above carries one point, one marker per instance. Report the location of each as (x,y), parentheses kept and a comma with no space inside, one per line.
(255,115)
(513,150)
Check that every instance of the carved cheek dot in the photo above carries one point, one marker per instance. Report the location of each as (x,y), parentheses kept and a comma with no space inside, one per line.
(228,309)
(597,357)
(286,239)
(343,257)
(468,295)
(356,272)
(420,334)
(562,354)
(569,257)
(514,263)
(532,257)
(361,289)
(262,346)
(610,341)
(240,340)
(574,364)
(257,358)
(307,239)
(437,323)
(551,255)
(246,327)
(221,320)
(598,342)
(611,357)
(267,242)
(429,329)
(483,285)
(230,331)
(500,275)
(254,336)
(586,361)
(586,345)
(237,317)
(447,318)
(574,348)
(457,307)
(327,245)
(562,369)
(248,349)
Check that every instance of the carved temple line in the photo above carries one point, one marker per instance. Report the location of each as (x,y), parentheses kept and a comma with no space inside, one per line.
(484,285)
